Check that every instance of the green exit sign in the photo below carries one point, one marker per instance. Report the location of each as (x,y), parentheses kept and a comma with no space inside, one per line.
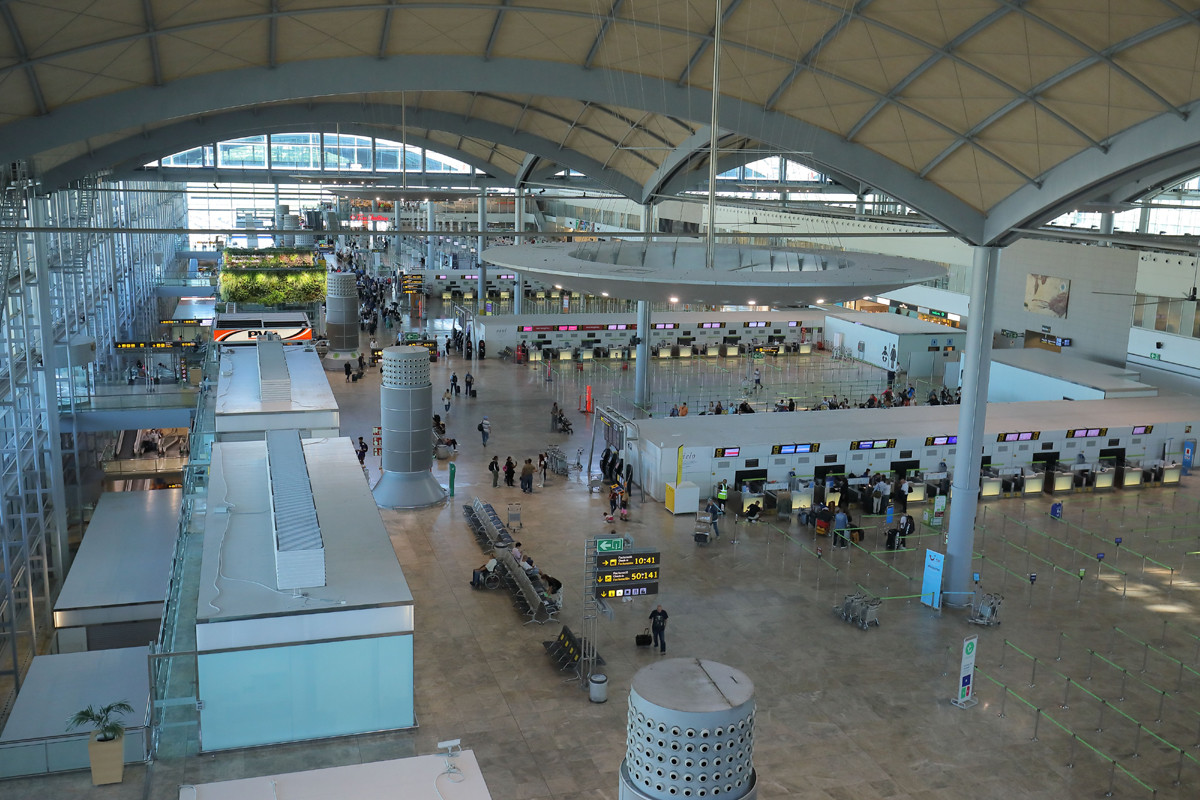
(610,545)
(1155,357)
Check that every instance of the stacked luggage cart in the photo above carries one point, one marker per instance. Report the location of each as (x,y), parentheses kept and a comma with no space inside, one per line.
(859,609)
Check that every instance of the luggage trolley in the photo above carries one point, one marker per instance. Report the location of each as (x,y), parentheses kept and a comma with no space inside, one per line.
(514,515)
(702,533)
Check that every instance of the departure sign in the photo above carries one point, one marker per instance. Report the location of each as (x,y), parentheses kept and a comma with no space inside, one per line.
(934,441)
(727,452)
(412,284)
(610,592)
(638,575)
(873,444)
(182,321)
(649,558)
(1023,436)
(791,449)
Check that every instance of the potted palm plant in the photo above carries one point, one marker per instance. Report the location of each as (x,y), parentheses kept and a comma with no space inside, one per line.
(106,751)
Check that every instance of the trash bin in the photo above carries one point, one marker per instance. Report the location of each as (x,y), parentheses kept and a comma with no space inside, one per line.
(1056,510)
(598,688)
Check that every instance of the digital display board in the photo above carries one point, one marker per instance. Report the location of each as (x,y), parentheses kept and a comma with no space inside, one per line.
(610,592)
(758,324)
(182,321)
(791,449)
(727,452)
(1057,341)
(627,560)
(934,441)
(873,444)
(412,284)
(510,276)
(157,345)
(711,325)
(1139,430)
(632,575)
(1024,436)
(1085,433)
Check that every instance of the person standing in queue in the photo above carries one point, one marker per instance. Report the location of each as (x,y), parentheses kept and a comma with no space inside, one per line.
(494,468)
(658,627)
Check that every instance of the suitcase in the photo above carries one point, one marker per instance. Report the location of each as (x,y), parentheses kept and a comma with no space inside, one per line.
(474,393)
(822,528)
(892,535)
(856,535)
(644,639)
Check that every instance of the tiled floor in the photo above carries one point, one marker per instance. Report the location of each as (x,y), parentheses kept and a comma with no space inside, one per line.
(842,712)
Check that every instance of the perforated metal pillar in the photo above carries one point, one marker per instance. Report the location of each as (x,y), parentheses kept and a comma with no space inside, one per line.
(689,733)
(406,419)
(341,318)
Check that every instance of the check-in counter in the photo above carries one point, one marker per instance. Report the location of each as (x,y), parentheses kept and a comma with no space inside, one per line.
(685,351)
(664,352)
(586,355)
(565,354)
(535,355)
(1062,481)
(802,498)
(728,350)
(990,485)
(805,349)
(1035,483)
(1131,476)
(1104,479)
(832,497)
(1171,474)
(614,353)
(917,495)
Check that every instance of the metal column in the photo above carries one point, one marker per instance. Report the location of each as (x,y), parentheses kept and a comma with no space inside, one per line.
(429,240)
(481,281)
(977,354)
(519,228)
(641,365)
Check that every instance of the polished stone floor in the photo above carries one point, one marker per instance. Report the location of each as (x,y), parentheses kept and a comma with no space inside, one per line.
(842,712)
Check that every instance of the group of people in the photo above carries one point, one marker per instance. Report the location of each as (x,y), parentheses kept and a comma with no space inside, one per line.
(509,470)
(551,586)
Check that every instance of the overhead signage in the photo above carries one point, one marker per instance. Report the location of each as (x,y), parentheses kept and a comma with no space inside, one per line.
(565,328)
(758,324)
(1139,430)
(727,452)
(1023,436)
(636,575)
(157,345)
(610,545)
(191,321)
(1057,341)
(648,558)
(412,283)
(873,444)
(936,441)
(1086,433)
(665,326)
(791,449)
(934,313)
(626,590)
(711,325)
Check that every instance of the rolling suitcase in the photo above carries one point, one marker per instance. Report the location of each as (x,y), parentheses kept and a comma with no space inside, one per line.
(474,393)
(644,639)
(892,535)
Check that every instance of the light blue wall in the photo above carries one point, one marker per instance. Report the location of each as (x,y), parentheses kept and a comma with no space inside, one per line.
(308,691)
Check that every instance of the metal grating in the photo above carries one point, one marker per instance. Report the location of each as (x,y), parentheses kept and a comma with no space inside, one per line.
(274,380)
(292,509)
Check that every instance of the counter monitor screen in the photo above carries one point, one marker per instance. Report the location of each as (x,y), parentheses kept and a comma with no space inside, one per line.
(1086,433)
(934,441)
(620,327)
(568,327)
(793,324)
(727,452)
(1025,436)
(755,324)
(791,449)
(873,444)
(1139,430)
(711,325)
(665,326)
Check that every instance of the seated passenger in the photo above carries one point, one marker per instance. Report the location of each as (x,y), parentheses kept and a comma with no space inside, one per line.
(530,570)
(480,573)
(752,512)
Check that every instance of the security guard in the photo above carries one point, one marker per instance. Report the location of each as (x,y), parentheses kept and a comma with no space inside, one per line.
(722,494)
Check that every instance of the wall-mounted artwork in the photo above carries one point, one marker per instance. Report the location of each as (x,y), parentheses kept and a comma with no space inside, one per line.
(1046,294)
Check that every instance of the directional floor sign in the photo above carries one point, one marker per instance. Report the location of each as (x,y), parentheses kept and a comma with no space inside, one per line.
(965,697)
(610,545)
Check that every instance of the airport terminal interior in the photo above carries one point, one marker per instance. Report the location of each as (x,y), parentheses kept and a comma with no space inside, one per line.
(372,375)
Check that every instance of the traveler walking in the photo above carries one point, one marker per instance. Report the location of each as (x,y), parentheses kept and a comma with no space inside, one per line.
(485,428)
(658,627)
